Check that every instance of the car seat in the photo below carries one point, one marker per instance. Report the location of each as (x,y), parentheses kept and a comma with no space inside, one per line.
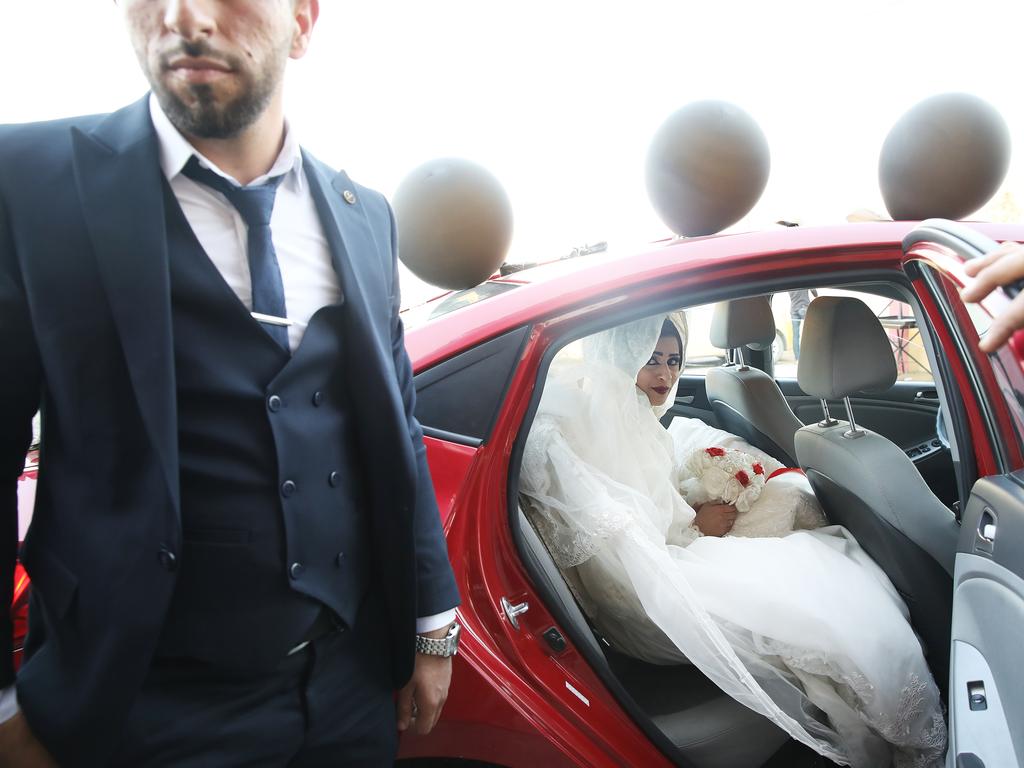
(746,401)
(864,481)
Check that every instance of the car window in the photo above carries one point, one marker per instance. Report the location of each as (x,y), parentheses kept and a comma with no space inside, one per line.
(457,400)
(789,308)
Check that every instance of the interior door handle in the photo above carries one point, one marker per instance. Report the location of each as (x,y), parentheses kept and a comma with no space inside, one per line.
(985,536)
(927,397)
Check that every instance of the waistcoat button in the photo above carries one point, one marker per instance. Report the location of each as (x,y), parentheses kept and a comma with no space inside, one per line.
(340,559)
(296,570)
(288,487)
(168,560)
(318,397)
(333,479)
(274,403)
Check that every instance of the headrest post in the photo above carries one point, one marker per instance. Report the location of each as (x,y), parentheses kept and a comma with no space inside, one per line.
(739,359)
(828,421)
(853,432)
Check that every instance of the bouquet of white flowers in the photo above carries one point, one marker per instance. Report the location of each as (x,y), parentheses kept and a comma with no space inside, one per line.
(722,475)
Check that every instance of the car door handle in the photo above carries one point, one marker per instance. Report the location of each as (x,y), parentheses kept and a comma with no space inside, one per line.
(985,536)
(927,397)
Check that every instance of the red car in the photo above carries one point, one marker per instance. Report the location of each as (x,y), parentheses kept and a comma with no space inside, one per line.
(534,685)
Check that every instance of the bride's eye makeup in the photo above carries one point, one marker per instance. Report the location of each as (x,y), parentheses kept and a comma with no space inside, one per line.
(674,361)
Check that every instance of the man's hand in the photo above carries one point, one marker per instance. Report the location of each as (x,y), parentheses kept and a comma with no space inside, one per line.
(715,519)
(421,700)
(1003,266)
(19,748)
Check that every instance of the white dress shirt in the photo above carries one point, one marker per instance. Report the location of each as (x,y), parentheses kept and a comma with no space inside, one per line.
(307,270)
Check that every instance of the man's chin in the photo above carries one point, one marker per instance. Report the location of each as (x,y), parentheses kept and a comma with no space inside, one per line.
(220,110)
(200,113)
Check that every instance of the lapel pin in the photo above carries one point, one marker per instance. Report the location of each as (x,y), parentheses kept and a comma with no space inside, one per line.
(350,196)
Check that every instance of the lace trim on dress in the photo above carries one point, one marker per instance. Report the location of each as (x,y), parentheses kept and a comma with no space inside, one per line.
(917,747)
(914,746)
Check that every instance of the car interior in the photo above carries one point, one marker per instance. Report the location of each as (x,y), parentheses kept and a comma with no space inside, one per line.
(745,400)
(879,463)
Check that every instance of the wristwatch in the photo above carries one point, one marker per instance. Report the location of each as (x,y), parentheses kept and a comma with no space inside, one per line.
(444,646)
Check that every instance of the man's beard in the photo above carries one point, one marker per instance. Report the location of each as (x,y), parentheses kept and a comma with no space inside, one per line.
(205,117)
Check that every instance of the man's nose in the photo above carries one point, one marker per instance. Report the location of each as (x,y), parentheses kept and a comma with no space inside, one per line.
(190,19)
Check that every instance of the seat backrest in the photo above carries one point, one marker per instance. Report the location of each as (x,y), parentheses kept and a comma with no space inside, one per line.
(870,487)
(746,401)
(867,483)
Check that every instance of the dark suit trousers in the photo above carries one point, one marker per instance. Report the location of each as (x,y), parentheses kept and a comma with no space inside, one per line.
(330,704)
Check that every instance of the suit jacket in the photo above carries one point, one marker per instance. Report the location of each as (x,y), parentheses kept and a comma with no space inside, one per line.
(85,332)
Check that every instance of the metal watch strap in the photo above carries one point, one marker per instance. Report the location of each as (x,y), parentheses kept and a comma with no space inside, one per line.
(443,646)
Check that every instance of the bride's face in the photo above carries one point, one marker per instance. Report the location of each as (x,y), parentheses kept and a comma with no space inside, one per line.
(659,375)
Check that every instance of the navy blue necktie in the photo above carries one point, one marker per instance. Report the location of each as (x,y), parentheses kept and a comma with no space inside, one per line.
(254,205)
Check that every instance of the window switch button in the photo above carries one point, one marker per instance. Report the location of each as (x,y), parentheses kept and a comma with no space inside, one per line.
(976,695)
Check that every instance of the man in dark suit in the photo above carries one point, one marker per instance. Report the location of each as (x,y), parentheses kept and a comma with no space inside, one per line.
(236,554)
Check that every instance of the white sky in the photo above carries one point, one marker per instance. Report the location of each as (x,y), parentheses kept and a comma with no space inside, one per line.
(560,98)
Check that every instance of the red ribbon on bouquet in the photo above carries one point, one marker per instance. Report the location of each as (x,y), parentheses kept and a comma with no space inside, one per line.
(784,470)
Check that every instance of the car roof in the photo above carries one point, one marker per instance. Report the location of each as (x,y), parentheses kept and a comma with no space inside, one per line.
(550,288)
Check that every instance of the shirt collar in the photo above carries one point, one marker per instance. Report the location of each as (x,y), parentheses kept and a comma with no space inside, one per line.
(175,151)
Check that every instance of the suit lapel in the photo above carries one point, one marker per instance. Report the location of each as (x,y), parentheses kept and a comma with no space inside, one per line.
(347,232)
(368,346)
(119,180)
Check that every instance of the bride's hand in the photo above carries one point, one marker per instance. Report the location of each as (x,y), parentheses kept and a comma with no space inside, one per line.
(715,519)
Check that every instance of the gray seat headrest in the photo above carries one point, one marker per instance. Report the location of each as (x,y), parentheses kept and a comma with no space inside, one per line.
(843,350)
(743,322)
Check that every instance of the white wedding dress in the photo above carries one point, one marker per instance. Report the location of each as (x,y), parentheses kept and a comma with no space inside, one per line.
(804,628)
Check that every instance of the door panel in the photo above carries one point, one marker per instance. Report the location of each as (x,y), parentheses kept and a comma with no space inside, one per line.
(988,624)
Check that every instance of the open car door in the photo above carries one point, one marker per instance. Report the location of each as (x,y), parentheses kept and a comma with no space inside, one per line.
(984,418)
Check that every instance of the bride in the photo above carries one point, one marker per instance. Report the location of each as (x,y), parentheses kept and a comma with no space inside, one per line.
(803,628)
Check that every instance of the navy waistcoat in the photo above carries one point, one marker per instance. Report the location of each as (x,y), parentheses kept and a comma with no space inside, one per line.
(273,520)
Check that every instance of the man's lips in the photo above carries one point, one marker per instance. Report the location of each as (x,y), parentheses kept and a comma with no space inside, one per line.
(661,390)
(198,62)
(198,70)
